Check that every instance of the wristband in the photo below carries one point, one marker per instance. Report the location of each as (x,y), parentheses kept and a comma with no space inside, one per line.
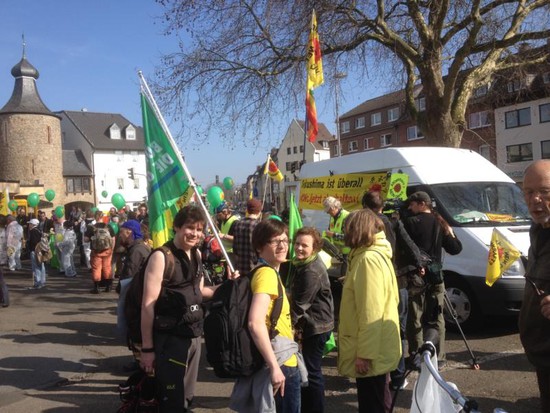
(148,350)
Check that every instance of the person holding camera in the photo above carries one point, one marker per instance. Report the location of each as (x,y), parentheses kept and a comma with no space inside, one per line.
(430,232)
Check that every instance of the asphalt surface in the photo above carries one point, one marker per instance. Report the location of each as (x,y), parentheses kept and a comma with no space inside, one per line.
(59,352)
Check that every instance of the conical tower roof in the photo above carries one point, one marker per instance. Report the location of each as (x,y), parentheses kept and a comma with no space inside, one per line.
(25,97)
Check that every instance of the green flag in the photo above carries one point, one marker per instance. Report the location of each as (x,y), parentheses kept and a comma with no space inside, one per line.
(294,223)
(166,179)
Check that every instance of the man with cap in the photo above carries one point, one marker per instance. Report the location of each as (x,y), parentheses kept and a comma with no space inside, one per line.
(136,253)
(226,219)
(245,254)
(430,232)
(38,268)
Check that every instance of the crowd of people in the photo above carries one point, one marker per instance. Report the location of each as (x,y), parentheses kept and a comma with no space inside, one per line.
(392,292)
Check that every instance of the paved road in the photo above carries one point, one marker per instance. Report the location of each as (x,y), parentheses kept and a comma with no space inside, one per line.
(59,353)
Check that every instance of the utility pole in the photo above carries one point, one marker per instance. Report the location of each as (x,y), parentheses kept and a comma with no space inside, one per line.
(337,77)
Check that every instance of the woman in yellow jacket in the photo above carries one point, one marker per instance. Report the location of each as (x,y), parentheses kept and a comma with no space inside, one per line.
(369,346)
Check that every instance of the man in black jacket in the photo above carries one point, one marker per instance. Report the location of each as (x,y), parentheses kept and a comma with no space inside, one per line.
(430,233)
(534,317)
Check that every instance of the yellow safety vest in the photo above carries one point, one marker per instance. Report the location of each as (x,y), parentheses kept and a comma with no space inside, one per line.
(225,227)
(336,226)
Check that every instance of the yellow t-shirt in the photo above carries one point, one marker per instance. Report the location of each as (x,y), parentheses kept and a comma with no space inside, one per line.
(265,281)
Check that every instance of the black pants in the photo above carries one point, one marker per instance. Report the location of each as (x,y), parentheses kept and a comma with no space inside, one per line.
(313,396)
(543,378)
(373,394)
(170,365)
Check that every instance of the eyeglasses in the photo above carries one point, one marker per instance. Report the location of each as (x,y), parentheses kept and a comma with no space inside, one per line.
(278,242)
(538,291)
(543,193)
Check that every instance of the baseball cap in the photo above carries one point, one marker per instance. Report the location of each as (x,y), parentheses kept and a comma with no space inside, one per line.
(420,196)
(34,222)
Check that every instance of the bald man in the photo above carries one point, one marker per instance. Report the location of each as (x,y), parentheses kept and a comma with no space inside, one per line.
(534,319)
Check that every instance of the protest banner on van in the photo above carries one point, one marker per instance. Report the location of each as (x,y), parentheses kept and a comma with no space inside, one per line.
(348,188)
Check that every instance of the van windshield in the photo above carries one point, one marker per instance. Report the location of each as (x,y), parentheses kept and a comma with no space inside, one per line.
(483,203)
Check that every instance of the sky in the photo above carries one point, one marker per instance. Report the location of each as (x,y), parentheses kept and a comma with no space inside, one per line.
(88,55)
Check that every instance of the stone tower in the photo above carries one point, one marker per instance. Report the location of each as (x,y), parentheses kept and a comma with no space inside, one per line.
(30,138)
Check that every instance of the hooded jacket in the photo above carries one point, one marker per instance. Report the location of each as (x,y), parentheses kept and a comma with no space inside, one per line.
(369,320)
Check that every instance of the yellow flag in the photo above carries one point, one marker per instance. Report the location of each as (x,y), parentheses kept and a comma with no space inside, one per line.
(502,254)
(314,60)
(4,199)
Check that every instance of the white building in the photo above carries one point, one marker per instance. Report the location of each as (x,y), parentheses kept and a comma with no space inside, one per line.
(291,154)
(523,135)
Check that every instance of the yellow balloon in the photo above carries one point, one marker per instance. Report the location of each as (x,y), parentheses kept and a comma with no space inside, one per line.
(59,237)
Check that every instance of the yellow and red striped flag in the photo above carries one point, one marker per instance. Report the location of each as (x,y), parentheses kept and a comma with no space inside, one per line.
(314,78)
(272,169)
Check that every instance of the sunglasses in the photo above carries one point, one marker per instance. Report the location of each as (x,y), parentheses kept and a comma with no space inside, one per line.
(538,291)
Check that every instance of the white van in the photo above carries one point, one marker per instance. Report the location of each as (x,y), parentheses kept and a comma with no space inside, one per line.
(471,193)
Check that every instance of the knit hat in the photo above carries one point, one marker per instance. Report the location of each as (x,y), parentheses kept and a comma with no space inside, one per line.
(134,226)
(221,207)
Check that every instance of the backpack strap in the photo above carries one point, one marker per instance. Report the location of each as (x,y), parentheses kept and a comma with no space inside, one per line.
(277,305)
(169,262)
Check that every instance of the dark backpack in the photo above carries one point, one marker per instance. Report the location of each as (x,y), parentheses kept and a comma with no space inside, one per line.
(134,294)
(230,349)
(210,250)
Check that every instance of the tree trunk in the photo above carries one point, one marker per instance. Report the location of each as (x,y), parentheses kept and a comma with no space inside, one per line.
(441,130)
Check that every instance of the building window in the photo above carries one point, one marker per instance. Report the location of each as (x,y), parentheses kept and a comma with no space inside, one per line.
(481,91)
(130,133)
(546,77)
(70,185)
(344,127)
(135,156)
(120,183)
(295,149)
(114,131)
(49,132)
(518,84)
(516,118)
(301,148)
(287,166)
(385,140)
(337,150)
(414,133)
(325,144)
(119,156)
(519,153)
(375,119)
(420,103)
(85,185)
(360,123)
(77,185)
(545,149)
(485,151)
(479,119)
(136,183)
(369,144)
(544,113)
(393,114)
(352,146)
(288,151)
(32,167)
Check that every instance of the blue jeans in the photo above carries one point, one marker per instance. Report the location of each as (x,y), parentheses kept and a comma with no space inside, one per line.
(290,403)
(38,271)
(398,375)
(313,396)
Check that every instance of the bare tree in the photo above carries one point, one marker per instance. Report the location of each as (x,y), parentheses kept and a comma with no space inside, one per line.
(241,62)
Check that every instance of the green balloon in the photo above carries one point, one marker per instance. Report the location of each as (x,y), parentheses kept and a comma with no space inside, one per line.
(114,226)
(228,182)
(94,209)
(59,212)
(104,194)
(50,195)
(200,190)
(118,201)
(12,205)
(215,196)
(33,199)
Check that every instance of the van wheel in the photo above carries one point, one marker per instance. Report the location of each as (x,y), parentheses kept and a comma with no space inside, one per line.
(463,302)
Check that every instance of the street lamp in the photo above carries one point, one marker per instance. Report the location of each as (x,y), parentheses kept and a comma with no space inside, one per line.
(337,77)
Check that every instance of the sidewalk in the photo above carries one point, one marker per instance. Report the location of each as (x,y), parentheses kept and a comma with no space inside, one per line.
(59,353)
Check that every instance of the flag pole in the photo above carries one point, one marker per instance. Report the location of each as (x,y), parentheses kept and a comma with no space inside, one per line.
(151,99)
(266,176)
